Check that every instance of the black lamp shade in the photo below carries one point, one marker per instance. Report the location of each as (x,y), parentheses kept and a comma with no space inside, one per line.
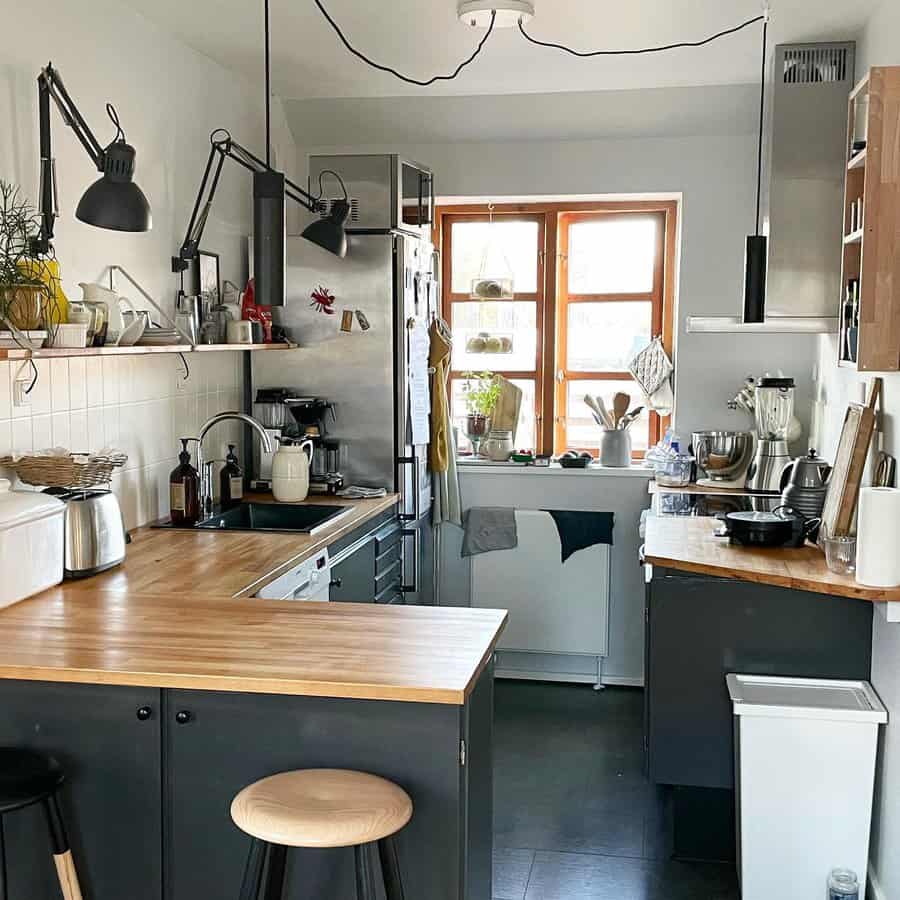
(114,201)
(755,264)
(329,232)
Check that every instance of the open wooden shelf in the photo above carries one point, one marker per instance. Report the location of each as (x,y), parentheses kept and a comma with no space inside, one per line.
(57,352)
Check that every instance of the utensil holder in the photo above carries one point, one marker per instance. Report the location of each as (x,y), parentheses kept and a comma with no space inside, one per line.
(615,448)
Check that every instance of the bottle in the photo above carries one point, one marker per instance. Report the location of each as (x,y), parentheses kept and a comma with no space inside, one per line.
(843,885)
(184,490)
(231,481)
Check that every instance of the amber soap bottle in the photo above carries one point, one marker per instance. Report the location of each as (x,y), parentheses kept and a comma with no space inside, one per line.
(184,490)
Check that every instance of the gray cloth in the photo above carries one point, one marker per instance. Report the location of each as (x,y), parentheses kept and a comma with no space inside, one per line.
(489,528)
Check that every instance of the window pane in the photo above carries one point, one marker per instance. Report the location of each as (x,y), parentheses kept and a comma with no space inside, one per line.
(504,248)
(493,335)
(612,256)
(581,429)
(525,433)
(604,337)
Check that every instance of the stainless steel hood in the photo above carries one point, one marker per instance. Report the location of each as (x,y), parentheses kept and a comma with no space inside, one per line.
(804,168)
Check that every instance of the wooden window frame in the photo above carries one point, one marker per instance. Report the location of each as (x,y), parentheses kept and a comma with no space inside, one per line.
(553,280)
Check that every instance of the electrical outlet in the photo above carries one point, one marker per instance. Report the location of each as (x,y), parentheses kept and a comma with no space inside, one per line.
(23,380)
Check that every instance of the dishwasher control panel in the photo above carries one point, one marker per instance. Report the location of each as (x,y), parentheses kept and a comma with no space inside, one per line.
(309,580)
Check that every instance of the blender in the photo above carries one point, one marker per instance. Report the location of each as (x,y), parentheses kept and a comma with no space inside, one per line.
(774,411)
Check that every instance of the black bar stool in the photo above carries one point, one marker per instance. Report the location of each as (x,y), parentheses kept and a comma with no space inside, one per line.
(26,778)
(319,808)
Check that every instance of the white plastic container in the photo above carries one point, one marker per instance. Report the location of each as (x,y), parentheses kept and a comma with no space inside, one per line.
(31,543)
(70,334)
(805,757)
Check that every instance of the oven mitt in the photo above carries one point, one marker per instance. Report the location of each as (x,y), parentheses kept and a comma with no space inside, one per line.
(652,370)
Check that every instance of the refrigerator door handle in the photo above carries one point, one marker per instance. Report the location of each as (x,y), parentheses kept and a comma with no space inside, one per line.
(416,535)
(416,514)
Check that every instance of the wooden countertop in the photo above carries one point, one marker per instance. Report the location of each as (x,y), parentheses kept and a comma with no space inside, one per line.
(179,613)
(689,544)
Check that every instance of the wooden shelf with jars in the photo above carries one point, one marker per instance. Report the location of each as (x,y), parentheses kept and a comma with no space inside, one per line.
(869,337)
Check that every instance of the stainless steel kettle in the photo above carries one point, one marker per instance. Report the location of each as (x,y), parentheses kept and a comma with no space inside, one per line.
(804,484)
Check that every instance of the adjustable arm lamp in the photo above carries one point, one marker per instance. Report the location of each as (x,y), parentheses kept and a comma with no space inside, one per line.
(269,190)
(114,201)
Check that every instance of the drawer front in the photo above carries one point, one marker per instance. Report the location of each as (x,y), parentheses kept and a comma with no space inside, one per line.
(389,576)
(387,559)
(391,592)
(388,536)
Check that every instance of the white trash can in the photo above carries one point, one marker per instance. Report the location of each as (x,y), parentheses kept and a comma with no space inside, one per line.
(805,771)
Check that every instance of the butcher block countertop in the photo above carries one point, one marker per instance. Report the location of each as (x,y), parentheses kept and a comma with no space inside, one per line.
(180,614)
(689,544)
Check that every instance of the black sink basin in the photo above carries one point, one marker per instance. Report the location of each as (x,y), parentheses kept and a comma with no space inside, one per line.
(306,519)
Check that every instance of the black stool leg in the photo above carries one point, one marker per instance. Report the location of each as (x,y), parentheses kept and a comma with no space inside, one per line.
(253,871)
(3,894)
(275,875)
(365,887)
(62,855)
(390,869)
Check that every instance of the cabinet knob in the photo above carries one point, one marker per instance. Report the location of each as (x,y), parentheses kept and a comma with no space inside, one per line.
(335,583)
(144,713)
(182,717)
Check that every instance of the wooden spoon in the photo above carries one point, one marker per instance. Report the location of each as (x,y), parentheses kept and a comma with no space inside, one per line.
(621,402)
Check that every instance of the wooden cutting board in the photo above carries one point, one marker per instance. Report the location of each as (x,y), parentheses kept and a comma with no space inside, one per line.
(509,405)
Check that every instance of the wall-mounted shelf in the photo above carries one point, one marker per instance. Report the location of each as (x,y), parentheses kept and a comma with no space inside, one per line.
(57,352)
(869,310)
(774,325)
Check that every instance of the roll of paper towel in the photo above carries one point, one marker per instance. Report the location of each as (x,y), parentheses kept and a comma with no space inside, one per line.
(878,537)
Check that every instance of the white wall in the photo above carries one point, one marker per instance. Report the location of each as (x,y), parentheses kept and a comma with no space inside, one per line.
(169,98)
(879,46)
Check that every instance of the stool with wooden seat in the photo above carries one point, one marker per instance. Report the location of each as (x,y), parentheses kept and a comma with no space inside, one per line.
(27,778)
(316,808)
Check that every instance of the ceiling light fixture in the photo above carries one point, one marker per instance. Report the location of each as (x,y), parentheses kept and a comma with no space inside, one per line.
(508,13)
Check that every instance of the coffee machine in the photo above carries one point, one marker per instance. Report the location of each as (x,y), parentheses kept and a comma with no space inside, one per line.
(773,412)
(311,416)
(272,413)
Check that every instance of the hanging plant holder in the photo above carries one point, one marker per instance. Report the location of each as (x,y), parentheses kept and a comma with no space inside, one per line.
(498,284)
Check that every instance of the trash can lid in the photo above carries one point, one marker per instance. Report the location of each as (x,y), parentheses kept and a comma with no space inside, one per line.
(805,698)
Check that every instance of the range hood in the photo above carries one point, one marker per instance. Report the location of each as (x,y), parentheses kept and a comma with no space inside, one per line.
(804,168)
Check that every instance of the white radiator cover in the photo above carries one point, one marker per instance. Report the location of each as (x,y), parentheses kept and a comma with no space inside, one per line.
(554,607)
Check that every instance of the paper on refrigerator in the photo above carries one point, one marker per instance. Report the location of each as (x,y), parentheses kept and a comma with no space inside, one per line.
(419,392)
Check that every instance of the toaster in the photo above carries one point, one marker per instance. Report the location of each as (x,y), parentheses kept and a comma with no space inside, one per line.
(94,532)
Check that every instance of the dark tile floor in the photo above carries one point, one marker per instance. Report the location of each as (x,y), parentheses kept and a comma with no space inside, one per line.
(574,817)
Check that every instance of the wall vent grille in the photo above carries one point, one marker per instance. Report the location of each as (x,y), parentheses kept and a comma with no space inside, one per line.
(816,65)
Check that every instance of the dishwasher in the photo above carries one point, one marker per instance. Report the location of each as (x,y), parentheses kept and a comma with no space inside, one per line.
(308,581)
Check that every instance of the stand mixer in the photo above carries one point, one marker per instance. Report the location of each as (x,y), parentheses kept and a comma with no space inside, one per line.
(774,416)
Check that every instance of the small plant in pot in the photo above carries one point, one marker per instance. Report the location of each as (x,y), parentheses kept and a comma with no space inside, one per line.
(481,392)
(23,277)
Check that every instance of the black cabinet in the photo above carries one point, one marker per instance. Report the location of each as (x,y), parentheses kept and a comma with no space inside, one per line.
(701,628)
(353,577)
(108,741)
(229,740)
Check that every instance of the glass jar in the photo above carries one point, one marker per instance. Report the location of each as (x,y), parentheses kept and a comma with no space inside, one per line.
(843,885)
(840,554)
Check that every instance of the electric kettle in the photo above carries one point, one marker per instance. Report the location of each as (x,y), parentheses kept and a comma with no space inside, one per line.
(804,484)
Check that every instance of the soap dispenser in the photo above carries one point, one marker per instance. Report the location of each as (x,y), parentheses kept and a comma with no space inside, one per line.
(231,481)
(184,490)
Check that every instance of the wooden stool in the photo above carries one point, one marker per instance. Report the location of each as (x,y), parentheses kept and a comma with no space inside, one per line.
(317,808)
(26,778)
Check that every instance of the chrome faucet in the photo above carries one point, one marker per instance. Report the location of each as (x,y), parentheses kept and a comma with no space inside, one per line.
(205,468)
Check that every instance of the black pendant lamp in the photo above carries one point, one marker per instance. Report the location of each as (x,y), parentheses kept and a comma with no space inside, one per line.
(115,201)
(329,232)
(756,257)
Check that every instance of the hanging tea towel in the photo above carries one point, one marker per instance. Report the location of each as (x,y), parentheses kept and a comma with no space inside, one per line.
(652,370)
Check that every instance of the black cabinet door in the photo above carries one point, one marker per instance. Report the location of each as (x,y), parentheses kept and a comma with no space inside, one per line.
(229,740)
(112,796)
(702,628)
(353,579)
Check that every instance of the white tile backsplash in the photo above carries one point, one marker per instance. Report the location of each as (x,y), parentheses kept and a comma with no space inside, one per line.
(138,404)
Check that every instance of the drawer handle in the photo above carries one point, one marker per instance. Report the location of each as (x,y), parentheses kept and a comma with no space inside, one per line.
(182,717)
(144,713)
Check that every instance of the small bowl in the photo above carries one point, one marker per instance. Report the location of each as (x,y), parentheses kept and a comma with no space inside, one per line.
(574,462)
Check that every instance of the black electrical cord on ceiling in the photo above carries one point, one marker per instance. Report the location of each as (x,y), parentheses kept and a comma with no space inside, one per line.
(586,53)
(394,72)
(762,110)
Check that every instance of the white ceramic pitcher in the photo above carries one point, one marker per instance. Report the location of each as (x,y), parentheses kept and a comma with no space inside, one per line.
(114,304)
(290,471)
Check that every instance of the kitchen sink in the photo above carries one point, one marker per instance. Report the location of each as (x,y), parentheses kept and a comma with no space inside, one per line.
(303,518)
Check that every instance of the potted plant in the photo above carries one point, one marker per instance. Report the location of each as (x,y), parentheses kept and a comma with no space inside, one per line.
(481,391)
(23,279)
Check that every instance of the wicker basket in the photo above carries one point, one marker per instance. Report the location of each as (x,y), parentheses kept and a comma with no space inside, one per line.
(78,471)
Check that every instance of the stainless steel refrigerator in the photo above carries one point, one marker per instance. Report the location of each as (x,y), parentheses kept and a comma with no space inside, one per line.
(389,276)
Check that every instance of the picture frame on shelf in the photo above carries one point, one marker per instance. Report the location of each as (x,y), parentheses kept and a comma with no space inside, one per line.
(208,275)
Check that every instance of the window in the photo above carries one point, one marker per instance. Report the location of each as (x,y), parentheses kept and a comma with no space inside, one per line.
(593,283)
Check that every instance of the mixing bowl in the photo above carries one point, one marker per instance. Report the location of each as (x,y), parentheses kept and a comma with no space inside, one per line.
(723,455)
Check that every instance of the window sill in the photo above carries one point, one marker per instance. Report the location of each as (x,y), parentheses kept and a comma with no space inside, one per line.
(487,467)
